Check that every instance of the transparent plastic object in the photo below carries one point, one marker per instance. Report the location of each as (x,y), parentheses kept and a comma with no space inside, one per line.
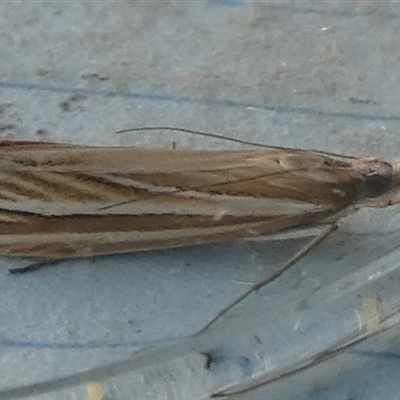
(263,348)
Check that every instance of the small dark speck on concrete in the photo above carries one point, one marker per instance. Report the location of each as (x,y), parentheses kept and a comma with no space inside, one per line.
(68,105)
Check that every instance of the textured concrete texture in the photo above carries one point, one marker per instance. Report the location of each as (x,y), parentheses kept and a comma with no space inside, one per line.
(314,75)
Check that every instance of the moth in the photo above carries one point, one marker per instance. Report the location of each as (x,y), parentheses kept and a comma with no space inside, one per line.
(61,201)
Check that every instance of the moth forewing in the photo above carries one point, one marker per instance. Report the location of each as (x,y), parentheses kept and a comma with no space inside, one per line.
(62,201)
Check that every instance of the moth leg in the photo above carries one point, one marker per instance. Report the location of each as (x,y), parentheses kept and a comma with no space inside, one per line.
(34,266)
(257,286)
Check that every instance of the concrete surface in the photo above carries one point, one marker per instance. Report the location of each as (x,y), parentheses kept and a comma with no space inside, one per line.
(317,75)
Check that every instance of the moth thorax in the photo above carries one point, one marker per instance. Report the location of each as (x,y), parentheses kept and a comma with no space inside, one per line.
(377,178)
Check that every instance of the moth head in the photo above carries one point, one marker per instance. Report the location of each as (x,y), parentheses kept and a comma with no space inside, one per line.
(377,177)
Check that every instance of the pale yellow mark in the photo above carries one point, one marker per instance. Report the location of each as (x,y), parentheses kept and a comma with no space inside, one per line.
(371,307)
(95,391)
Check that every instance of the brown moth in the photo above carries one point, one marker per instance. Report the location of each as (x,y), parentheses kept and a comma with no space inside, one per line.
(62,201)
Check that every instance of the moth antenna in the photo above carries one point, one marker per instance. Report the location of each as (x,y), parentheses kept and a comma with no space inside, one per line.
(231,139)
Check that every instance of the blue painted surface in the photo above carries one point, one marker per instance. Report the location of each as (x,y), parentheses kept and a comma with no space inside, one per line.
(285,69)
(160,97)
(230,3)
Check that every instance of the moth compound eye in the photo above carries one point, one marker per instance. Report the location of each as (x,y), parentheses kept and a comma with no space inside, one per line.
(375,177)
(377,183)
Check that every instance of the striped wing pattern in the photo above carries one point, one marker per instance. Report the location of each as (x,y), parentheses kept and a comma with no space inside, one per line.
(60,201)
